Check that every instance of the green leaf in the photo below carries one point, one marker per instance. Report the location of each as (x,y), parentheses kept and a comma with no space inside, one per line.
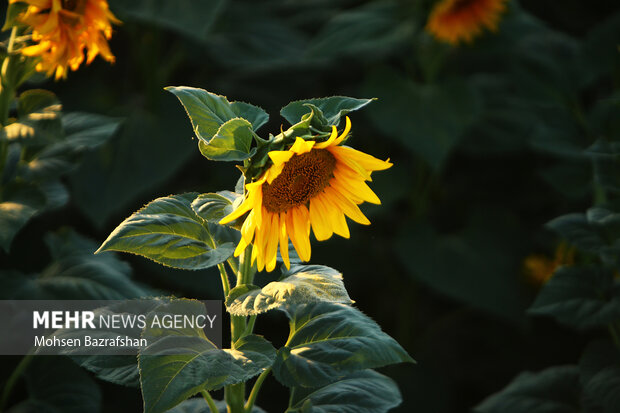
(169,232)
(428,119)
(301,284)
(55,384)
(198,405)
(367,32)
(330,341)
(579,297)
(187,17)
(333,108)
(232,142)
(365,391)
(474,264)
(597,231)
(599,370)
(554,390)
(213,207)
(119,368)
(20,203)
(75,274)
(37,101)
(208,111)
(180,363)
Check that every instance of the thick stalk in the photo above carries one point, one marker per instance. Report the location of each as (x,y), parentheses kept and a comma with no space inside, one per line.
(235,393)
(7,93)
(7,88)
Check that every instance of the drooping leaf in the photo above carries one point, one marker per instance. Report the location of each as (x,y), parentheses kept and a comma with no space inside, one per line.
(554,390)
(169,232)
(579,297)
(180,363)
(332,108)
(12,13)
(365,391)
(232,142)
(301,284)
(208,111)
(330,341)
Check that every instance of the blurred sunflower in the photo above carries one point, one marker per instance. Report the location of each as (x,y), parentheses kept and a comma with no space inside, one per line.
(457,21)
(63,29)
(539,268)
(311,185)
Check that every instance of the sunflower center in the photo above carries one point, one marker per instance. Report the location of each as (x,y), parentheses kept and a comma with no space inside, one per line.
(72,11)
(302,178)
(459,5)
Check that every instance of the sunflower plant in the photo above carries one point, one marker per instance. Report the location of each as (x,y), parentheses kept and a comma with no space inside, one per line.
(304,180)
(38,142)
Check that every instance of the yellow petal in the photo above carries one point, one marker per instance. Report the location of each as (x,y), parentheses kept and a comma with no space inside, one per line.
(284,241)
(301,146)
(271,248)
(329,142)
(368,162)
(336,217)
(298,229)
(347,206)
(240,247)
(347,129)
(319,220)
(357,188)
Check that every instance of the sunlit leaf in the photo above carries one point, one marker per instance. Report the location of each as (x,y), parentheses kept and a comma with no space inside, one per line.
(232,142)
(333,108)
(301,284)
(169,232)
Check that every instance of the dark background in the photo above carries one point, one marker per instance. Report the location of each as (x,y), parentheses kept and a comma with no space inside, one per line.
(469,129)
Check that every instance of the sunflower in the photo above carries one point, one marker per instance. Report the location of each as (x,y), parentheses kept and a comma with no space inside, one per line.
(456,21)
(62,30)
(311,185)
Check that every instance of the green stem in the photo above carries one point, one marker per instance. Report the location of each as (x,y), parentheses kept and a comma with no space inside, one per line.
(255,390)
(7,94)
(250,326)
(210,401)
(225,282)
(17,372)
(235,394)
